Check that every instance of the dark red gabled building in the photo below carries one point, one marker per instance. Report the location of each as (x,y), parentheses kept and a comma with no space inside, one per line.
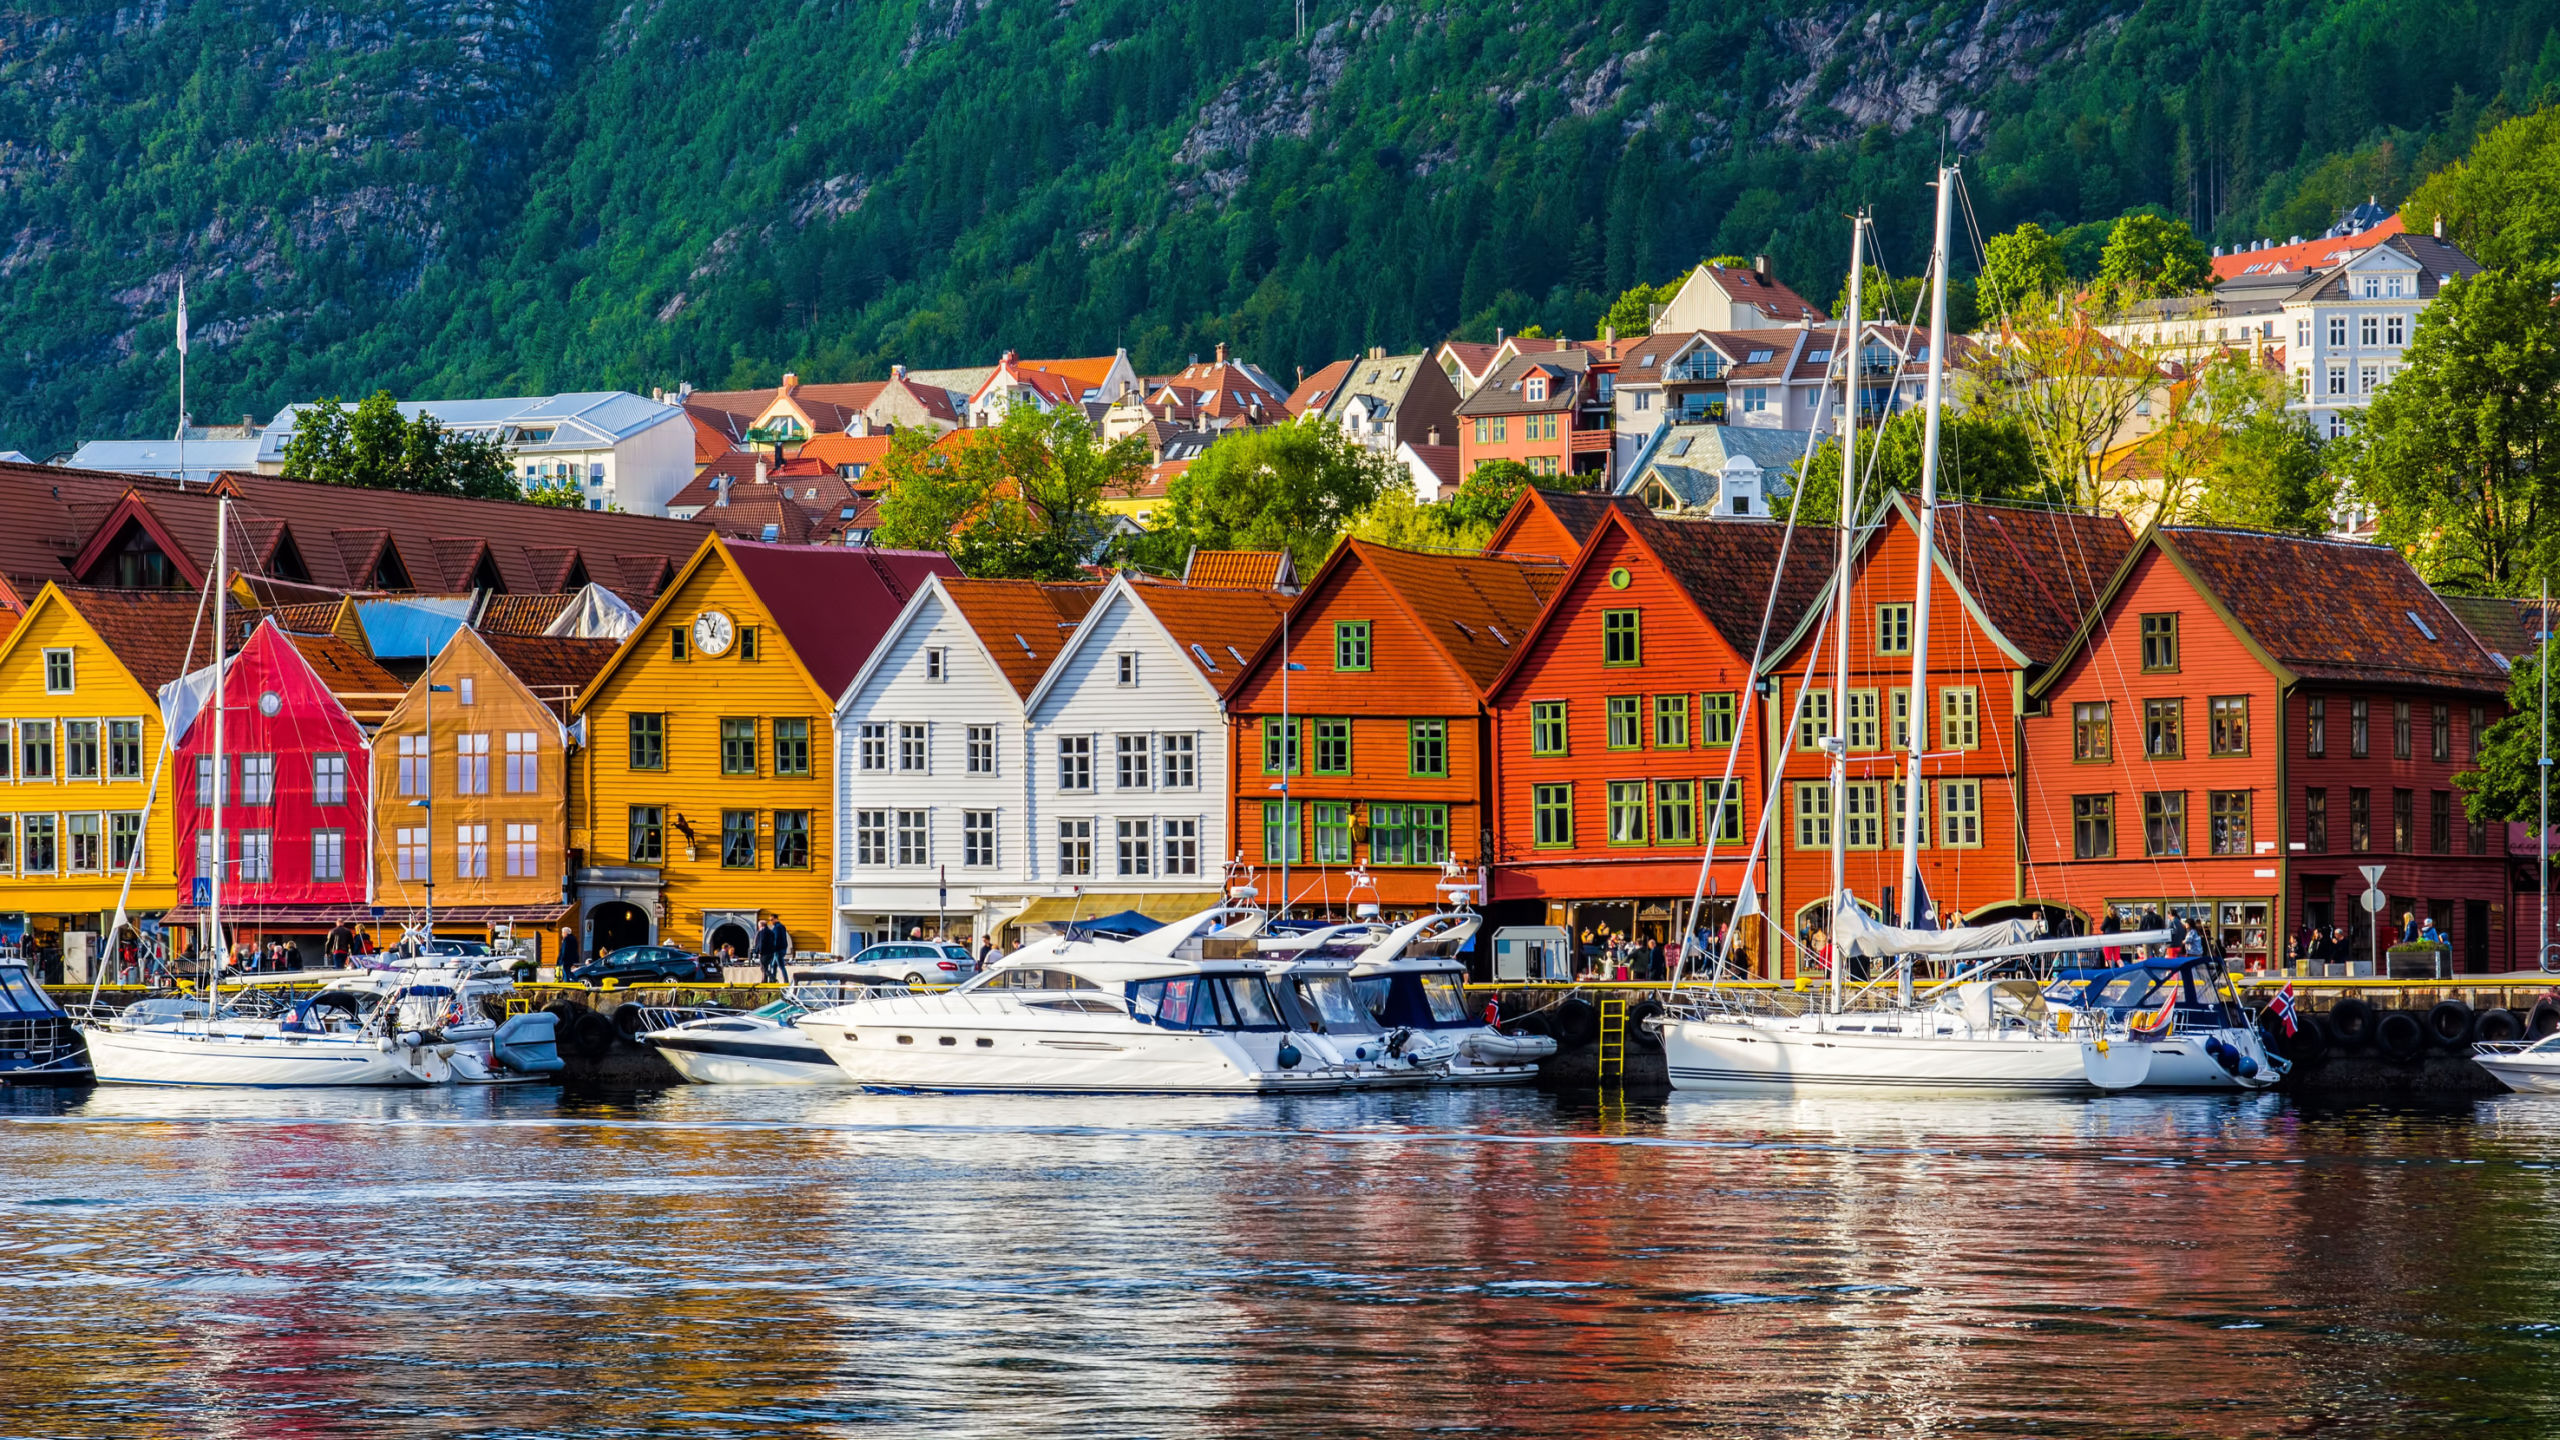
(2245,720)
(1614,727)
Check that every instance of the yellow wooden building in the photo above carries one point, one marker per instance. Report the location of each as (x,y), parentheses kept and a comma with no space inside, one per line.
(80,677)
(701,800)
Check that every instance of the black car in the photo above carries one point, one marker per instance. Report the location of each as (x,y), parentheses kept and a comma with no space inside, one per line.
(638,964)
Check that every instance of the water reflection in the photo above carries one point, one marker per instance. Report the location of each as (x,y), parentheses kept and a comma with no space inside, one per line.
(744,1262)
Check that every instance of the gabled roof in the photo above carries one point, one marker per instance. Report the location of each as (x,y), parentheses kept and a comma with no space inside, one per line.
(836,450)
(1539,513)
(1474,357)
(2508,629)
(2315,254)
(1477,610)
(148,630)
(1022,624)
(1503,391)
(1240,570)
(365,690)
(1213,626)
(2314,609)
(1762,292)
(1317,390)
(2435,261)
(1689,460)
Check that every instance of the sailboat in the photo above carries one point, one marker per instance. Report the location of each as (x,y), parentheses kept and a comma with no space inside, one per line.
(406,1027)
(1973,1032)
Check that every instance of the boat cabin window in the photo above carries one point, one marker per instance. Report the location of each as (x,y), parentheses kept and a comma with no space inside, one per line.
(1206,1002)
(1031,979)
(1332,1005)
(1432,1001)
(19,991)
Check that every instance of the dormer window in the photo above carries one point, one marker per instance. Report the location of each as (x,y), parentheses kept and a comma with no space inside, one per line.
(1536,389)
(2391,287)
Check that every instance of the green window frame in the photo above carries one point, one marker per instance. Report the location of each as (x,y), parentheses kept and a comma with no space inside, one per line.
(1278,736)
(1626,812)
(790,839)
(1866,728)
(648,740)
(1426,749)
(1862,814)
(2227,718)
(1960,814)
(1893,629)
(1626,722)
(647,842)
(1670,722)
(1547,730)
(1551,810)
(737,745)
(737,839)
(1332,831)
(1717,715)
(2159,643)
(1813,722)
(1408,834)
(1959,718)
(1813,815)
(1675,815)
(791,745)
(1621,637)
(1350,645)
(1280,839)
(1723,801)
(1898,810)
(1333,745)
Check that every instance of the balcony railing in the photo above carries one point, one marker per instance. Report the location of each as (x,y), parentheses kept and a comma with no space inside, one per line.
(1709,413)
(1693,371)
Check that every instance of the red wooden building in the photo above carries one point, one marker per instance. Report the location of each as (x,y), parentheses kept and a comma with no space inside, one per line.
(2012,585)
(1615,725)
(1382,739)
(298,784)
(2248,718)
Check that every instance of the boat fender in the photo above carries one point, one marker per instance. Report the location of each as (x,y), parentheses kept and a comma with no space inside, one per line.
(1361,1053)
(2399,1035)
(2351,1021)
(2247,1069)
(2544,1022)
(1289,1056)
(2497,1024)
(2449,1023)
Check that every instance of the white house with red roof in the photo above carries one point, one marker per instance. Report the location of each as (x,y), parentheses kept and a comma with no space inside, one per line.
(1047,384)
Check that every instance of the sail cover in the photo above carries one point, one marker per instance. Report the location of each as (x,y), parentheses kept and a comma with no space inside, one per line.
(1859,933)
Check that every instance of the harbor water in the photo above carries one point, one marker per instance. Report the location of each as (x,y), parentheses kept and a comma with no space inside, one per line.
(749,1262)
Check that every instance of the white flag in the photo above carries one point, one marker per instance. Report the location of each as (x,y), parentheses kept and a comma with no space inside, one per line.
(182,315)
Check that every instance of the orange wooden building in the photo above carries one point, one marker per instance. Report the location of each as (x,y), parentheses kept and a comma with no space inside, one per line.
(1381,739)
(1616,724)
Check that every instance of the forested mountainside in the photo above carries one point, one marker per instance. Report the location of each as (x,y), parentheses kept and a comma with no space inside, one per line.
(478,196)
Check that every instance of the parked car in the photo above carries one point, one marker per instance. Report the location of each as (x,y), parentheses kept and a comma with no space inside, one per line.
(916,962)
(633,964)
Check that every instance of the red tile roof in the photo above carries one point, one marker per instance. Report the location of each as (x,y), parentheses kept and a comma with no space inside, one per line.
(1726,565)
(1765,293)
(366,689)
(1442,462)
(1236,569)
(551,663)
(520,614)
(2035,573)
(2335,609)
(833,603)
(1477,609)
(2309,255)
(1317,390)
(1214,626)
(1022,623)
(149,630)
(835,450)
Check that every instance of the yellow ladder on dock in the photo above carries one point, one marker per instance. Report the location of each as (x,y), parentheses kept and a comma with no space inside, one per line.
(1613,1036)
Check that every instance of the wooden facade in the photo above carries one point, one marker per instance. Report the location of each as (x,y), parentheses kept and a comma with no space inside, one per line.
(491,849)
(2246,721)
(1614,729)
(1381,738)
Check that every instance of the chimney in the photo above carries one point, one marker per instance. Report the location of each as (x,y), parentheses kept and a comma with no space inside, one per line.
(2439,225)
(1008,358)
(1760,266)
(897,372)
(790,382)
(1432,437)
(720,490)
(1497,337)
(760,473)
(659,395)
(1377,352)
(1222,352)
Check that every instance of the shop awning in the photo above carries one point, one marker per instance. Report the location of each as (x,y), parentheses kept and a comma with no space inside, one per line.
(364,915)
(1059,909)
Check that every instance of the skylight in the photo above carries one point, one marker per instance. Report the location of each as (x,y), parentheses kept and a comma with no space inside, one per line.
(1680,445)
(1203,652)
(2421,624)
(1239,658)
(1817,357)
(1760,357)
(1498,635)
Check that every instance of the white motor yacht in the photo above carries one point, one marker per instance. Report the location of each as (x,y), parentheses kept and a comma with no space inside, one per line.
(2528,1067)
(1181,1009)
(763,1046)
(1414,985)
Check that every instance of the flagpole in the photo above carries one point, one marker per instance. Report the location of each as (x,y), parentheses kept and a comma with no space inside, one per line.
(182,382)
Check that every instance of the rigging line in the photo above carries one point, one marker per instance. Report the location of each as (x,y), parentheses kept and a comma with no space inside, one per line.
(1777,785)
(142,830)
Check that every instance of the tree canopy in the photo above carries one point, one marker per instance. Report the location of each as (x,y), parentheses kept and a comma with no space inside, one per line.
(2020,272)
(2502,204)
(373,448)
(1023,500)
(1293,487)
(2503,782)
(2148,257)
(1982,456)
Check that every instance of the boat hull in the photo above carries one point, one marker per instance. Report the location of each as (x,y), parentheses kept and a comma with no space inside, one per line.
(2526,1075)
(1734,1056)
(924,1051)
(154,1057)
(705,1060)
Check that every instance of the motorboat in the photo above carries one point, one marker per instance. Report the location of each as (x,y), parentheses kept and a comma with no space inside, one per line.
(38,1045)
(2183,1010)
(388,1026)
(763,1046)
(1413,985)
(1185,1008)
(2528,1067)
(1974,1032)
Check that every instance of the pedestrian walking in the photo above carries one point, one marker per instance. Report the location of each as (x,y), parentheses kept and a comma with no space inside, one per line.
(769,954)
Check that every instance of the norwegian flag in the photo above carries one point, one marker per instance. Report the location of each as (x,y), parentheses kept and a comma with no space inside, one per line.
(2281,1007)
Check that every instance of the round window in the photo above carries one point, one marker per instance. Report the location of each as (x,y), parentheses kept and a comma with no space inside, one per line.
(1619,578)
(270,703)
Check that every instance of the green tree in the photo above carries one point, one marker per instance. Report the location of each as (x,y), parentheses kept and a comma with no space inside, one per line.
(2502,204)
(2261,466)
(2460,453)
(1905,301)
(373,448)
(2021,272)
(1982,456)
(556,497)
(1021,500)
(2148,257)
(2504,782)
(1293,487)
(1464,521)
(1632,312)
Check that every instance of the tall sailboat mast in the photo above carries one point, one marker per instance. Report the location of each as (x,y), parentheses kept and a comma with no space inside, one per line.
(215,950)
(1839,738)
(1916,790)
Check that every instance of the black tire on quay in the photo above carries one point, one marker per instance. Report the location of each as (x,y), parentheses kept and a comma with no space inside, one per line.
(2351,1022)
(1576,1023)
(2544,1022)
(1637,1034)
(1536,1022)
(587,1035)
(2497,1024)
(627,1019)
(2309,1040)
(2449,1023)
(2399,1035)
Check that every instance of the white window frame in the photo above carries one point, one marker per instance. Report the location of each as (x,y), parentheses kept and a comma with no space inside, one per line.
(983,749)
(911,837)
(1184,744)
(871,837)
(871,747)
(1075,764)
(979,846)
(70,670)
(915,747)
(1075,847)
(1133,847)
(70,850)
(141,738)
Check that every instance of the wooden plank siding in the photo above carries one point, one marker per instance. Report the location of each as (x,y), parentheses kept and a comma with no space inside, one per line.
(1680,654)
(1965,653)
(1411,676)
